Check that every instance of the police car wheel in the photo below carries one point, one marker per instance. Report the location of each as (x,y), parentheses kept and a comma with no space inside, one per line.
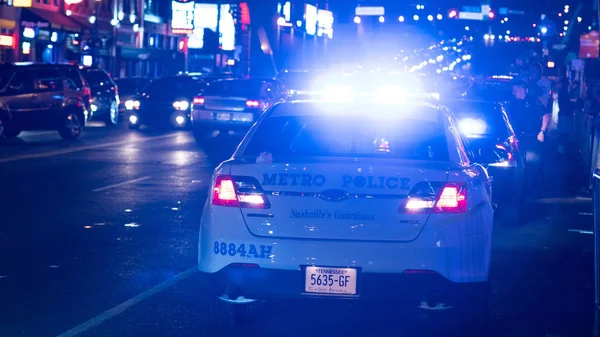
(222,316)
(470,316)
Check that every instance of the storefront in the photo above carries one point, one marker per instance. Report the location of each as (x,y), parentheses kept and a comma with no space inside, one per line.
(96,41)
(7,40)
(44,36)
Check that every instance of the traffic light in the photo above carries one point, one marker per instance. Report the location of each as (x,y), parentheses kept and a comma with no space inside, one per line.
(491,15)
(453,14)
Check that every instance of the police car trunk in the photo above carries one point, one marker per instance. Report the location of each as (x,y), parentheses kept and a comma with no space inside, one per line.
(342,172)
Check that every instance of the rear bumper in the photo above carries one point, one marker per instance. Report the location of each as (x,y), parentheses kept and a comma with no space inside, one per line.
(273,284)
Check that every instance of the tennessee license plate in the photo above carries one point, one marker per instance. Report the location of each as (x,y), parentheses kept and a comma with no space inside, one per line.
(327,280)
(223,117)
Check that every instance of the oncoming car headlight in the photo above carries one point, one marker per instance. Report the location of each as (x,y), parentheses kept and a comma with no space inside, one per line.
(181,105)
(132,105)
(472,127)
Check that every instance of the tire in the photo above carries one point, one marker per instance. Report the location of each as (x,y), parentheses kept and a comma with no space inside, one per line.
(7,129)
(112,117)
(222,318)
(71,125)
(201,135)
(2,126)
(468,316)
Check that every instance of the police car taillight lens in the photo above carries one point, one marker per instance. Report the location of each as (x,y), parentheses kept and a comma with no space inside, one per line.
(436,198)
(224,192)
(244,192)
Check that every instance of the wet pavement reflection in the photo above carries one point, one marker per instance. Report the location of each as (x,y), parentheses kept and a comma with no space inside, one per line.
(87,226)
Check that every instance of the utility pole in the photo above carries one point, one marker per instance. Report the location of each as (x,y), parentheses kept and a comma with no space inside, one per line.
(217,61)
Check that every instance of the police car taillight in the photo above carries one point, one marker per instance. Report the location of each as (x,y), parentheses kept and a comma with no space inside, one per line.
(244,192)
(432,197)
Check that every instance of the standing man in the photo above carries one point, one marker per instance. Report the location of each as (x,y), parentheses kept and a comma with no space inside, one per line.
(531,113)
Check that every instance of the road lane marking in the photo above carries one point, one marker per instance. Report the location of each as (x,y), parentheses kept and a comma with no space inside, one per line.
(119,309)
(120,184)
(83,148)
(581,231)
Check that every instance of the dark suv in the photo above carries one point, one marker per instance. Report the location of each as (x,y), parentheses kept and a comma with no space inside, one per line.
(42,97)
(105,95)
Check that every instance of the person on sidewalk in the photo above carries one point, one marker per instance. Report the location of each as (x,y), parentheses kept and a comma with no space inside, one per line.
(530,113)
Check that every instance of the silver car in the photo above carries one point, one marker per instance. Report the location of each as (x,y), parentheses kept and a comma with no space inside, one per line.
(231,106)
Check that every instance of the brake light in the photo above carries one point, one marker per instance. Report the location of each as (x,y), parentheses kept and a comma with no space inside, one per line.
(508,153)
(199,100)
(252,103)
(435,197)
(244,192)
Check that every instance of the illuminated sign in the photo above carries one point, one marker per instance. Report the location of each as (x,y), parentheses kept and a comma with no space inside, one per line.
(26,46)
(205,17)
(182,19)
(369,11)
(470,16)
(6,40)
(589,45)
(22,3)
(324,23)
(73,2)
(310,17)
(287,11)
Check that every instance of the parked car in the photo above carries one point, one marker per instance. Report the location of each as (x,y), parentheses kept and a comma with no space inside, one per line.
(231,106)
(42,97)
(105,95)
(488,130)
(166,102)
(130,88)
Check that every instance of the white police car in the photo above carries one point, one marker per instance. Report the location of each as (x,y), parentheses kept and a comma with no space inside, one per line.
(348,200)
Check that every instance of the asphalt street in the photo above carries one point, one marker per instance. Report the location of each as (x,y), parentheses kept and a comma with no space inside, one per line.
(98,237)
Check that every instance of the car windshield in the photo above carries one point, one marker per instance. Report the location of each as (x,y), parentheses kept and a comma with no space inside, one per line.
(234,88)
(96,77)
(349,136)
(480,119)
(167,87)
(128,86)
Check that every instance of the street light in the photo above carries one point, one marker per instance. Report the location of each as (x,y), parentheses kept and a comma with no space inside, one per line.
(430,17)
(357,19)
(440,16)
(416,17)
(401,18)
(381,19)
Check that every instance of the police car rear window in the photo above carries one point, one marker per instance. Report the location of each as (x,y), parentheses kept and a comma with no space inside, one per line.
(349,136)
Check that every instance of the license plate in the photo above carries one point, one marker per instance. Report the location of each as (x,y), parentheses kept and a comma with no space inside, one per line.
(327,280)
(243,117)
(223,117)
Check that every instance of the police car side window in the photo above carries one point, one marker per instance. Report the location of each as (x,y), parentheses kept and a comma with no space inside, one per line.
(460,144)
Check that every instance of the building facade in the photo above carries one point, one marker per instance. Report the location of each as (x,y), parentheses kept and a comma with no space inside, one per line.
(124,37)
